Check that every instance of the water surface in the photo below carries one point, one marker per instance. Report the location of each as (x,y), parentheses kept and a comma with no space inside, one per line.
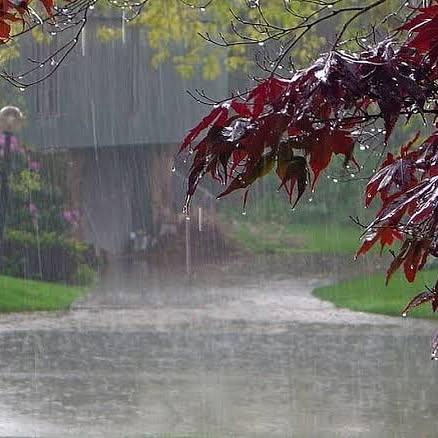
(247,358)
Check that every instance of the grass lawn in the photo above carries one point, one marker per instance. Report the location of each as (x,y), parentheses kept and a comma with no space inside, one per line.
(369,294)
(274,238)
(18,295)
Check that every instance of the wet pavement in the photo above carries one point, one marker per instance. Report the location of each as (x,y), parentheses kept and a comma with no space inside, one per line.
(227,354)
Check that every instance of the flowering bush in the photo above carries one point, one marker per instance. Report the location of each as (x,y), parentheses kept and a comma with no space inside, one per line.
(37,241)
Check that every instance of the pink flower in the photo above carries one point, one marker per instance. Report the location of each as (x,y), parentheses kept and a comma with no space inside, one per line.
(33,210)
(14,146)
(34,165)
(71,216)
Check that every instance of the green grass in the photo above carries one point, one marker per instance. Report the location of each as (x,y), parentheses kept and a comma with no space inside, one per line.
(369,294)
(18,295)
(274,238)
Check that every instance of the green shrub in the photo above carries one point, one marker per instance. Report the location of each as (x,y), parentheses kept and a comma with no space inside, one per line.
(38,222)
(49,256)
(85,276)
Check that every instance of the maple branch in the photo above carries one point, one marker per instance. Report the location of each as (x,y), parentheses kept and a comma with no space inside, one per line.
(364,10)
(64,51)
(65,17)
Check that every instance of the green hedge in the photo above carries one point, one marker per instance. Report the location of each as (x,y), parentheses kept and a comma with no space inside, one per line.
(49,257)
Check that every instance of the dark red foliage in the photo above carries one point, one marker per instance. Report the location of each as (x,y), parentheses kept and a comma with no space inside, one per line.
(428,296)
(386,236)
(408,189)
(15,11)
(292,170)
(423,32)
(312,115)
(398,173)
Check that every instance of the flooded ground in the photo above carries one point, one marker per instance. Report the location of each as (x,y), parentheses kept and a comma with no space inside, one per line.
(226,354)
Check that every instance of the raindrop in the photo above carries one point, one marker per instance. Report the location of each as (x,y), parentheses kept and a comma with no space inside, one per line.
(173,169)
(404,314)
(261,43)
(244,213)
(187,218)
(335,180)
(310,199)
(21,88)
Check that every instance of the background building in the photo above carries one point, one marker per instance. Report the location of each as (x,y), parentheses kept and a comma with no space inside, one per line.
(118,120)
